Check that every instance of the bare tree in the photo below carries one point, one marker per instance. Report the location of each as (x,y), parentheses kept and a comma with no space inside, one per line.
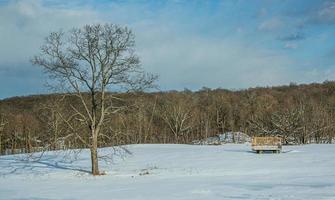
(178,116)
(51,114)
(3,123)
(90,61)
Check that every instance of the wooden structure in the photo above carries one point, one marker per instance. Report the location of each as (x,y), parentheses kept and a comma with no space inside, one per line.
(261,144)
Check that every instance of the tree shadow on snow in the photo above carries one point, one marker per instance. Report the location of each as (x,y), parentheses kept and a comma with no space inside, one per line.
(254,152)
(13,165)
(239,150)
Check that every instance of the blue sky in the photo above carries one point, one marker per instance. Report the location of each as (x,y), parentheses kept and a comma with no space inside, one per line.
(190,44)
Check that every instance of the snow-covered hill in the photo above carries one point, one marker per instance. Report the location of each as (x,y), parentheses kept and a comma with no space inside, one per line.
(176,172)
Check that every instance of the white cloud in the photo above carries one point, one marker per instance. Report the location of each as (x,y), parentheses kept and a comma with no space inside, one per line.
(193,62)
(325,14)
(290,45)
(272,24)
(317,74)
(24,24)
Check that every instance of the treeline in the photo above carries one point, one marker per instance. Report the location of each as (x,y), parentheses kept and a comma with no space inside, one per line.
(299,113)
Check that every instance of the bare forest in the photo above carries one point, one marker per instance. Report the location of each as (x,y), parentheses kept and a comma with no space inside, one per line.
(300,114)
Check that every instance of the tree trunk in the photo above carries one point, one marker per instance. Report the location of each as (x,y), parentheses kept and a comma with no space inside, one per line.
(0,145)
(30,146)
(94,156)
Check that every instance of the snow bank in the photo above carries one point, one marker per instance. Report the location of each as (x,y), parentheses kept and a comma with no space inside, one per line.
(228,137)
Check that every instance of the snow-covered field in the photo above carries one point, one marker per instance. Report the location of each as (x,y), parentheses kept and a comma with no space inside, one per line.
(177,172)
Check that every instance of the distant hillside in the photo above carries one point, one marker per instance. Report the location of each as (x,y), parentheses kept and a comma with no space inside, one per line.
(299,113)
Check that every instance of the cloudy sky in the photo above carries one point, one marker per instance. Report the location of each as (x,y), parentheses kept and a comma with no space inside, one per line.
(230,44)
